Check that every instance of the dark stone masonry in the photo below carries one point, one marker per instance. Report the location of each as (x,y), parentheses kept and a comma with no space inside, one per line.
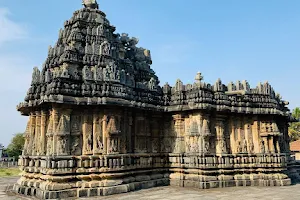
(100,124)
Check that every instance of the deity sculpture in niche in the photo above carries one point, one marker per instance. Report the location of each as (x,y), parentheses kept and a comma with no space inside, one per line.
(98,135)
(113,72)
(192,142)
(62,146)
(75,147)
(100,30)
(87,73)
(65,72)
(105,48)
(87,135)
(221,139)
(206,135)
(98,73)
(113,131)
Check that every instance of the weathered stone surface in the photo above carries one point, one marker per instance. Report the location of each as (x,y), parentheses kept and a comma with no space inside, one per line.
(100,124)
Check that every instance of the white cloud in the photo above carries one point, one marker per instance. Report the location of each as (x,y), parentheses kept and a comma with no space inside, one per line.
(10,30)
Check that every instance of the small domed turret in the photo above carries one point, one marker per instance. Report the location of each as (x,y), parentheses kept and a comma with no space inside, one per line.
(90,4)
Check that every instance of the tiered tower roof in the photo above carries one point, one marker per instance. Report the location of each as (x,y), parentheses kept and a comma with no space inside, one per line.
(90,64)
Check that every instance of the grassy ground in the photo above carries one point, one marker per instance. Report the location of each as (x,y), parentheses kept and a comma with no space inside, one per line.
(4,172)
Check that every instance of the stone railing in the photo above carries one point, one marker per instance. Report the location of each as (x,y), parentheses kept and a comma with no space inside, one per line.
(8,162)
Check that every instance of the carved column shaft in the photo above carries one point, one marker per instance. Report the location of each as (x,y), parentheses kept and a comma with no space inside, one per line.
(256,137)
(49,135)
(97,134)
(207,134)
(179,133)
(37,133)
(104,132)
(221,140)
(87,131)
(271,144)
(55,118)
(233,139)
(31,151)
(43,133)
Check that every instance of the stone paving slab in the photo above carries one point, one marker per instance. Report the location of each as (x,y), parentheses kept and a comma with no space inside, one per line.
(177,193)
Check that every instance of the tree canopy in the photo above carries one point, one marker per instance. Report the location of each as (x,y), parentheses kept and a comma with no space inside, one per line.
(16,145)
(294,129)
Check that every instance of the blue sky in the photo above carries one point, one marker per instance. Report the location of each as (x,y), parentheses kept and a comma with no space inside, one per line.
(233,40)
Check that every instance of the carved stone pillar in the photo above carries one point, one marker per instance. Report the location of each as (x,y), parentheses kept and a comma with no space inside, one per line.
(129,132)
(249,136)
(104,132)
(49,135)
(255,135)
(55,114)
(87,132)
(276,144)
(271,144)
(179,133)
(221,147)
(239,142)
(37,133)
(43,133)
(233,136)
(206,134)
(32,145)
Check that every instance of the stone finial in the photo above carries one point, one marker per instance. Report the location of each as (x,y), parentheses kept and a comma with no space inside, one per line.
(90,4)
(198,77)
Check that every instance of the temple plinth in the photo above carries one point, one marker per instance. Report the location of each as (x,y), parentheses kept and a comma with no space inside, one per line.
(100,124)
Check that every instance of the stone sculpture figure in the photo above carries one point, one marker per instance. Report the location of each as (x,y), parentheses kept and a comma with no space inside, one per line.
(98,73)
(87,73)
(105,48)
(90,4)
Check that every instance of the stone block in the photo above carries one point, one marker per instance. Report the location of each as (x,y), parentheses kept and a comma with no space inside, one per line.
(115,190)
(93,192)
(82,193)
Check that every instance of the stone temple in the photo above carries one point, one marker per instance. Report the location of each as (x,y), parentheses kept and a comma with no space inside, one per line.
(100,124)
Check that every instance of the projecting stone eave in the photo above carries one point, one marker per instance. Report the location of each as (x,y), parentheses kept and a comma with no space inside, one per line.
(26,107)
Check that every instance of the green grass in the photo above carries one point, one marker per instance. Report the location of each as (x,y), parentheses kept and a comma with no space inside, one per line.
(4,172)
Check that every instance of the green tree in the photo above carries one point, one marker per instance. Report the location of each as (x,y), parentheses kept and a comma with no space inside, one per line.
(296,113)
(294,129)
(16,145)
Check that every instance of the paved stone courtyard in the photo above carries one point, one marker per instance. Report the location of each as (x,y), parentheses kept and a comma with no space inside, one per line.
(174,193)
